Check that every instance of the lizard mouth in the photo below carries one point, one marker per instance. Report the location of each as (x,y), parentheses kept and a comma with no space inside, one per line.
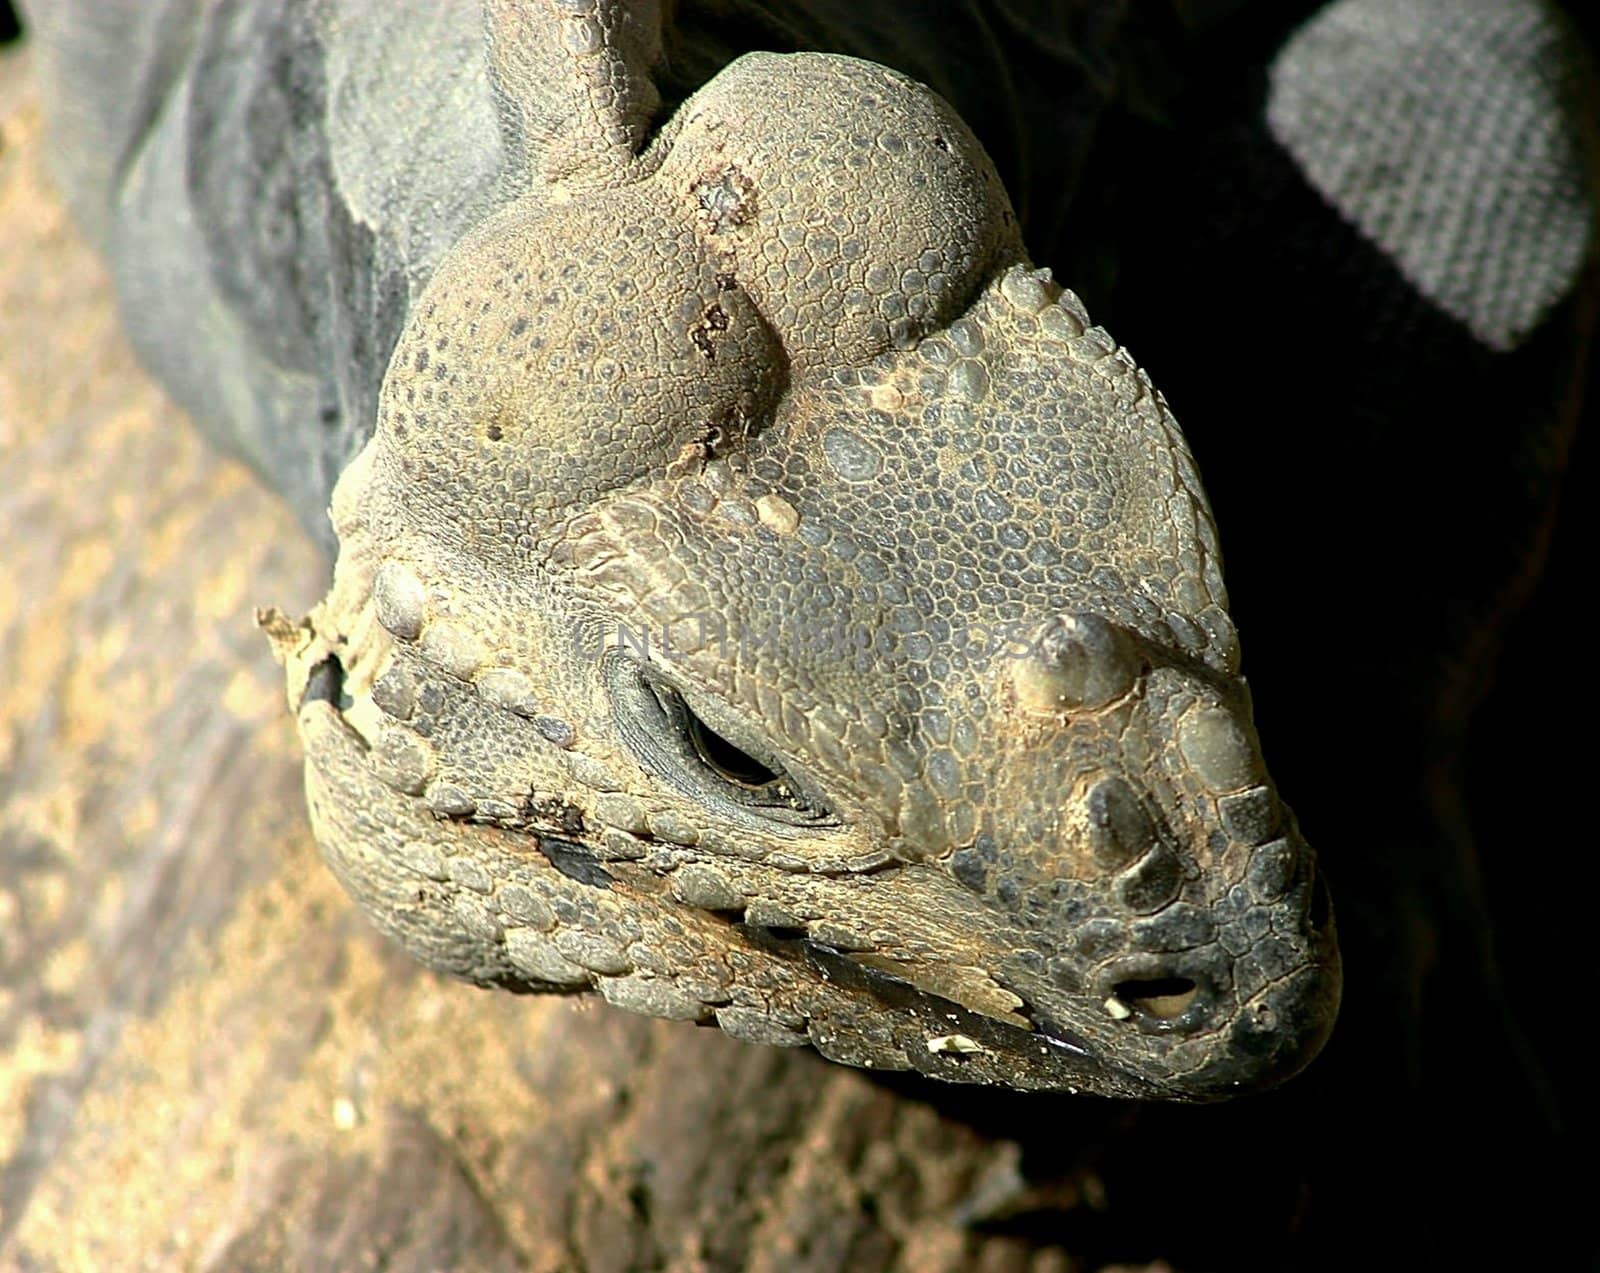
(1183,1037)
(945,1040)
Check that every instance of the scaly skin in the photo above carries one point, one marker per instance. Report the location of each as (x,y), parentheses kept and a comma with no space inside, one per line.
(761,427)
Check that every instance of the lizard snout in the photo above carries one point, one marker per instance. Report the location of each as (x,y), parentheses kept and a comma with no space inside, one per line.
(1180,924)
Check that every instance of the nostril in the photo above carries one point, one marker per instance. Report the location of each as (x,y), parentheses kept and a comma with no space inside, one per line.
(1163,998)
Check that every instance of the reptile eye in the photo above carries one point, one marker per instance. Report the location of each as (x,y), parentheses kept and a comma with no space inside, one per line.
(723,758)
(725,763)
(675,743)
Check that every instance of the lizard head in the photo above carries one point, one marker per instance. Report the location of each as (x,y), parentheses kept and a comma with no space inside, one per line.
(766,599)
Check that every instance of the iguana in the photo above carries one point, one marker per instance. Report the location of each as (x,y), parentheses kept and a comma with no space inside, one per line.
(763,596)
